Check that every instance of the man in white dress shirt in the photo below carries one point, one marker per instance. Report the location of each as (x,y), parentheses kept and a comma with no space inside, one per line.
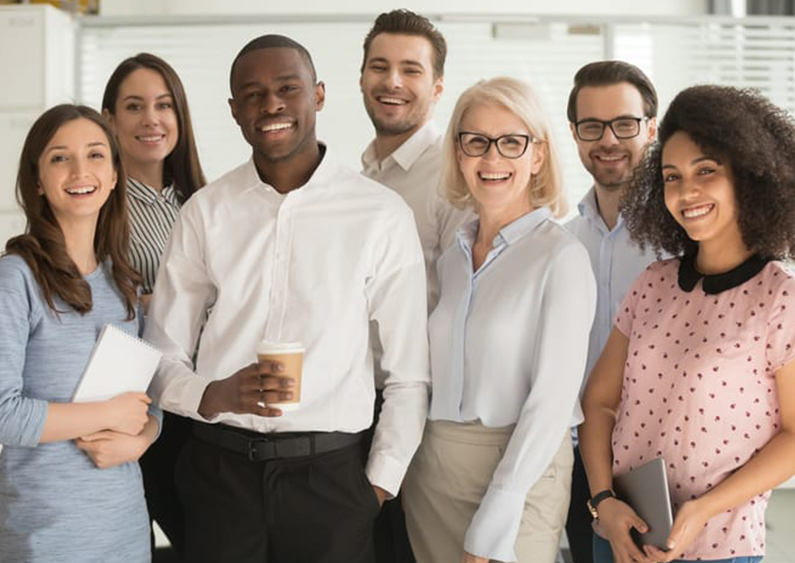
(612,115)
(290,246)
(402,78)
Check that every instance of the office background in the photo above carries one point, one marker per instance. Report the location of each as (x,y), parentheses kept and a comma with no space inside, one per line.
(48,56)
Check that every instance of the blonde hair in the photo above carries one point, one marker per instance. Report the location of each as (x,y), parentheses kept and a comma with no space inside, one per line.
(546,187)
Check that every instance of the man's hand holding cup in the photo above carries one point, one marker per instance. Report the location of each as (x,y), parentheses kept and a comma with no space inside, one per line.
(265,388)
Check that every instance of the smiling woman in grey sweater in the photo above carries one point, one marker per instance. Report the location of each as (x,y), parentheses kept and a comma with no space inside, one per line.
(70,487)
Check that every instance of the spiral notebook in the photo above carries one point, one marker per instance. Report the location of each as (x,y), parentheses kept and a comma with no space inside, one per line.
(119,363)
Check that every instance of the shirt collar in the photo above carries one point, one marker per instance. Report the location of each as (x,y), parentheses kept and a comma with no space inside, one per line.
(321,177)
(589,209)
(407,153)
(717,283)
(147,193)
(510,233)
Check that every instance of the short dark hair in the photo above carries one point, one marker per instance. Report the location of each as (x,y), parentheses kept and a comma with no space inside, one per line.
(749,134)
(608,73)
(406,22)
(182,166)
(273,41)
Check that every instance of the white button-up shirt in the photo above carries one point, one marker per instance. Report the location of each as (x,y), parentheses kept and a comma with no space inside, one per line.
(508,346)
(412,170)
(616,262)
(316,266)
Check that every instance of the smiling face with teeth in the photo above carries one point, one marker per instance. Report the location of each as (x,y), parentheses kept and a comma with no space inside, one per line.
(612,161)
(499,185)
(145,123)
(274,101)
(398,84)
(76,172)
(700,195)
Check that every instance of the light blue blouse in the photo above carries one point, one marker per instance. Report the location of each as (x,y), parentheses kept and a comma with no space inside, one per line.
(508,346)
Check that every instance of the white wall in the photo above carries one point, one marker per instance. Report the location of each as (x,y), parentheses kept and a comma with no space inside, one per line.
(560,7)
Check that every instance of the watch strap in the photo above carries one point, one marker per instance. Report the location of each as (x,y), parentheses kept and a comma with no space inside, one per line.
(602,495)
(594,501)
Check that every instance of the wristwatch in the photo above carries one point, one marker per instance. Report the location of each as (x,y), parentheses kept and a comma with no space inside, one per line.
(597,498)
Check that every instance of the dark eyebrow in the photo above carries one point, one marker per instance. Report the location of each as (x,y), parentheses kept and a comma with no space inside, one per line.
(705,157)
(696,161)
(622,116)
(64,147)
(257,84)
(410,62)
(140,98)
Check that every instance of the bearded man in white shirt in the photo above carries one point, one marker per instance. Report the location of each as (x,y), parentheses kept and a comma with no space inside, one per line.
(290,246)
(612,113)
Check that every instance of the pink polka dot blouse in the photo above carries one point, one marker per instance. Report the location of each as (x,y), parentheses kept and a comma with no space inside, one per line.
(699,389)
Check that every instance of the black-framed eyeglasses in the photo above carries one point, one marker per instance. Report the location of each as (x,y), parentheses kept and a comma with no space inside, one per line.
(509,146)
(622,128)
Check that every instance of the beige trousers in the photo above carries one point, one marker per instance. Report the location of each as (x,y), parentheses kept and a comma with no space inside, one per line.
(448,478)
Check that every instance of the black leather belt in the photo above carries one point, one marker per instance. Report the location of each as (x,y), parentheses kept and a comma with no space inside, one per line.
(264,447)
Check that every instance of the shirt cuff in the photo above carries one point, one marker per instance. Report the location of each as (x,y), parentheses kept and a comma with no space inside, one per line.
(385,472)
(493,530)
(186,402)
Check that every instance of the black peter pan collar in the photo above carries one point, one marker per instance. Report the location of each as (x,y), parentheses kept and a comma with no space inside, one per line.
(716,283)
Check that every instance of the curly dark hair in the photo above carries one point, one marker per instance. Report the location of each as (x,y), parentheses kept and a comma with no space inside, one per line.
(755,138)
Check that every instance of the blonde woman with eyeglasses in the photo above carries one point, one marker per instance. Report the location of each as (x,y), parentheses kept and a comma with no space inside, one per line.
(508,343)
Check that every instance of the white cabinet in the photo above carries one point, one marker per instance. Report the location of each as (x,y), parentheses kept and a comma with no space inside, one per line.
(37,63)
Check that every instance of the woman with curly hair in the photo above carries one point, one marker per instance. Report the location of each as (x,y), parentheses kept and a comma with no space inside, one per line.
(700,366)
(70,485)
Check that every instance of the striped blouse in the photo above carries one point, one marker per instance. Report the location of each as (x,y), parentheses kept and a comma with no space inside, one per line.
(152,215)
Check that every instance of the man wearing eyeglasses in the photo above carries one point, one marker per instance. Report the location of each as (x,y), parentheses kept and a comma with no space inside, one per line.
(612,115)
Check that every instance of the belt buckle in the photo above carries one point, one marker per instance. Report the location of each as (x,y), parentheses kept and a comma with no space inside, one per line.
(262,456)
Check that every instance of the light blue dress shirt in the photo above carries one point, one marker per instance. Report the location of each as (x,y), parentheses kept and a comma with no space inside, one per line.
(616,262)
(508,346)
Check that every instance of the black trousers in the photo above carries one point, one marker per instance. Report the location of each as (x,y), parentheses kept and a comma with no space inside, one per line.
(157,466)
(310,509)
(578,524)
(390,535)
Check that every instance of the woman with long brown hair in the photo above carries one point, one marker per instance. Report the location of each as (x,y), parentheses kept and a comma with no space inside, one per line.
(146,106)
(70,489)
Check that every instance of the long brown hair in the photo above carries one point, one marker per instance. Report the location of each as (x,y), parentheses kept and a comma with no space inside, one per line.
(43,246)
(181,167)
